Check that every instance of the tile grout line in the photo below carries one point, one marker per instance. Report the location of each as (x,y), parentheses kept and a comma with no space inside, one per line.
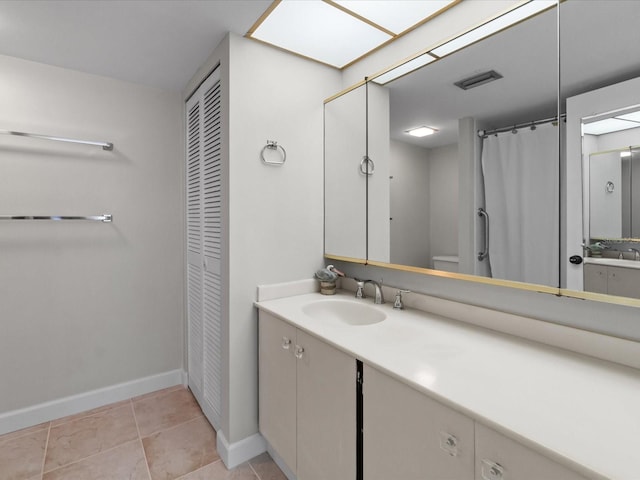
(93,454)
(174,426)
(144,453)
(254,470)
(201,468)
(104,409)
(46,447)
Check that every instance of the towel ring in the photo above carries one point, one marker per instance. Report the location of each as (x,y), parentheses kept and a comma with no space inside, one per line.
(272,145)
(367,167)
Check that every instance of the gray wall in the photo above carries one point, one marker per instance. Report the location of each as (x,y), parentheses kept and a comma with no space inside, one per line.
(409,191)
(424,203)
(88,305)
(443,192)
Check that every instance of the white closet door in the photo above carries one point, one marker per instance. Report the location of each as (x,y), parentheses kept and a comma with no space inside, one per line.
(204,248)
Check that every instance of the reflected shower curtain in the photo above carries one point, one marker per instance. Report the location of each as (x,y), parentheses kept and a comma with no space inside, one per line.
(521,193)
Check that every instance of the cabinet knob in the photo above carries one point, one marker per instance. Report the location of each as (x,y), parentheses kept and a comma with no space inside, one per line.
(449,443)
(492,470)
(286,343)
(298,352)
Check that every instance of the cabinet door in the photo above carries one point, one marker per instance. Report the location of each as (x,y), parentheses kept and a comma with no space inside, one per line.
(624,282)
(409,436)
(326,411)
(595,278)
(500,458)
(277,386)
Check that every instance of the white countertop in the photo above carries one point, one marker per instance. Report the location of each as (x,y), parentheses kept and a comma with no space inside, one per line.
(572,408)
(613,262)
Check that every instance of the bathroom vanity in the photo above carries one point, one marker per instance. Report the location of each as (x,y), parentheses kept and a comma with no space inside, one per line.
(612,276)
(434,397)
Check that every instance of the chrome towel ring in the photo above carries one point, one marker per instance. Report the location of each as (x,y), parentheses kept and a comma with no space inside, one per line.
(367,167)
(273,145)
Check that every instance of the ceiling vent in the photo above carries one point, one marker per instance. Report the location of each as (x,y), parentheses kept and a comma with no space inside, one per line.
(478,80)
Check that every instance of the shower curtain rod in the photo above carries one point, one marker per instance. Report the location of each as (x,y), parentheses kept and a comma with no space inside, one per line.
(514,128)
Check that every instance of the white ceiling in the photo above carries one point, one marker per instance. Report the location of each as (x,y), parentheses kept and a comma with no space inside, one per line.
(157,43)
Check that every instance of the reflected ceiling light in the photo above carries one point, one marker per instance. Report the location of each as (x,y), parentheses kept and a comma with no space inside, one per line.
(421,131)
(633,116)
(500,23)
(624,154)
(608,125)
(404,69)
(340,32)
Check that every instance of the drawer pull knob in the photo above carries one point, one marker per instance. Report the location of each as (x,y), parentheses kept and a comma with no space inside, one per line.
(286,343)
(449,443)
(299,351)
(492,470)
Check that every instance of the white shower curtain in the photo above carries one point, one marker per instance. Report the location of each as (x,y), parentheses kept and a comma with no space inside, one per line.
(521,194)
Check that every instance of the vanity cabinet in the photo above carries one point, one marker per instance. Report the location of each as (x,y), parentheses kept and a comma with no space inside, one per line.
(307,401)
(500,458)
(409,436)
(621,281)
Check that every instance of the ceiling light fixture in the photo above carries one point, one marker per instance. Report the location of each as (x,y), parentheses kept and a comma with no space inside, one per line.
(608,125)
(421,131)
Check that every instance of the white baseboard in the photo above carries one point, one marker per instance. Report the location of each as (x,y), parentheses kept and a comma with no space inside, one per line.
(44,412)
(239,452)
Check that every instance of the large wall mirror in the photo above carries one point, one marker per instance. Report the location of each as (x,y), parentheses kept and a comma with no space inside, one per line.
(426,192)
(503,189)
(600,88)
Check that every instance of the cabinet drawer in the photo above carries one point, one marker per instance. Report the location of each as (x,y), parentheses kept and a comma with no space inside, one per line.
(500,458)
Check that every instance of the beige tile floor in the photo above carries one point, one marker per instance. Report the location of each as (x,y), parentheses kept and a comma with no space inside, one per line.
(159,436)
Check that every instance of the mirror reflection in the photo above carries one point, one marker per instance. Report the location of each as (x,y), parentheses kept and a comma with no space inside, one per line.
(345,184)
(599,84)
(489,113)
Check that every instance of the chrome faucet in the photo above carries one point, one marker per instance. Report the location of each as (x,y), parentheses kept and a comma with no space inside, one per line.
(379,297)
(636,253)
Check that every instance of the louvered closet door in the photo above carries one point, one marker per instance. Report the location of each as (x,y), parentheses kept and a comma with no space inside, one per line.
(204,214)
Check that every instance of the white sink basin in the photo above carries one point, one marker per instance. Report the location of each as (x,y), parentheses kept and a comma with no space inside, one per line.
(344,312)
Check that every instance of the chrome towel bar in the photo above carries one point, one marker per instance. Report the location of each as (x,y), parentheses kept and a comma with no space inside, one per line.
(104,145)
(96,218)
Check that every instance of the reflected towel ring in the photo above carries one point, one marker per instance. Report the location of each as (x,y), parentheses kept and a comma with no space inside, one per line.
(273,145)
(367,167)
(610,187)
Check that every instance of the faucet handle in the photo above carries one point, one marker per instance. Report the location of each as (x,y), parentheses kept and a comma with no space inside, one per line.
(397,304)
(360,289)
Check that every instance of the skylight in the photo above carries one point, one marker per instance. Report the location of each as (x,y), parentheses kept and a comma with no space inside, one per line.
(340,32)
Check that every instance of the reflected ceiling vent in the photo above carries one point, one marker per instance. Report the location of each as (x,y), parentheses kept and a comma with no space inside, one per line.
(478,80)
